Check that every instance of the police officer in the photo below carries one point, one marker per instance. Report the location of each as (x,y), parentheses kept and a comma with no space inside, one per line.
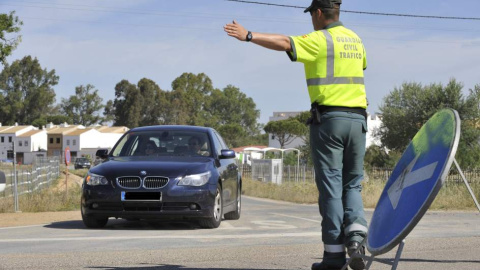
(334,59)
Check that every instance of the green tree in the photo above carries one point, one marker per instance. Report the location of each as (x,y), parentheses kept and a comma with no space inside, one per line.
(56,119)
(285,131)
(9,23)
(27,91)
(305,150)
(151,103)
(83,107)
(233,134)
(377,156)
(109,112)
(190,94)
(127,105)
(232,107)
(406,109)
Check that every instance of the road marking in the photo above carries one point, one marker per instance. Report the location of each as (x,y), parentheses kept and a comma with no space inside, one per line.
(307,219)
(273,224)
(27,226)
(146,237)
(228,226)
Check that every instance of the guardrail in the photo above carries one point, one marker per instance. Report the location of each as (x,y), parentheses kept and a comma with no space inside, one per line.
(306,174)
(31,178)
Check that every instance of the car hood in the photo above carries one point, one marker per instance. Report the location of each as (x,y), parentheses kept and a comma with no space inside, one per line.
(153,166)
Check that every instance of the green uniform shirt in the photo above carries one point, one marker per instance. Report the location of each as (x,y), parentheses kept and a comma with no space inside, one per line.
(334,60)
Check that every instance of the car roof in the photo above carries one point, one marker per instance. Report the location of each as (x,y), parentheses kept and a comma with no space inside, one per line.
(172,127)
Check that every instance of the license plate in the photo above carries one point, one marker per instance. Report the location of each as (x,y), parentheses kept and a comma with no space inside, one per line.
(129,196)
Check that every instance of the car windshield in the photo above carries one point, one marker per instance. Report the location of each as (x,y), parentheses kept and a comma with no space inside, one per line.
(82,160)
(163,143)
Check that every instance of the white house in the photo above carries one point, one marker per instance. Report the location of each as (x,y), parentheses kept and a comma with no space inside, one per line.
(8,137)
(32,144)
(86,142)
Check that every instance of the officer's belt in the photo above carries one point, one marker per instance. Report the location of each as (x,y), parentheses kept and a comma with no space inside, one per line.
(324,109)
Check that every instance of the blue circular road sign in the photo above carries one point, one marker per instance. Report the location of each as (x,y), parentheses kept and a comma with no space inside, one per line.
(415,182)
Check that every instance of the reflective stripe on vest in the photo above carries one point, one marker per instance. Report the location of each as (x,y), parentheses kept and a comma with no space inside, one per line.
(331,79)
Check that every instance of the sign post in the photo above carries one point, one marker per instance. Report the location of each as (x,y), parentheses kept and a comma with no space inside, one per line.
(67,162)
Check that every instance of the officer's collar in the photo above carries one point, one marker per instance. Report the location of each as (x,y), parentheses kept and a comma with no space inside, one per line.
(334,24)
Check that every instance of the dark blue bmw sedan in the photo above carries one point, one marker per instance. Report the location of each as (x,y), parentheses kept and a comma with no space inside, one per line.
(164,172)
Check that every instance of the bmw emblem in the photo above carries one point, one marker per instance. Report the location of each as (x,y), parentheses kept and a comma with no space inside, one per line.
(143,173)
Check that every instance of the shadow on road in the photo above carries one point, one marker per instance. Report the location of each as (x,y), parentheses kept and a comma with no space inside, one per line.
(173,267)
(121,224)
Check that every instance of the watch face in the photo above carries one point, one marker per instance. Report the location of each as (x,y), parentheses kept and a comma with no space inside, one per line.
(249,36)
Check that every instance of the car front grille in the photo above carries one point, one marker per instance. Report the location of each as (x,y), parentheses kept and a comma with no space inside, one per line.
(129,182)
(153,182)
(135,182)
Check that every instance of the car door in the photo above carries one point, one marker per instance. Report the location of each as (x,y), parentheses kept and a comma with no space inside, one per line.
(230,174)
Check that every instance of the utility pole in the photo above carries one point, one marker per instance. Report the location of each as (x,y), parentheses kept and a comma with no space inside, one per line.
(17,206)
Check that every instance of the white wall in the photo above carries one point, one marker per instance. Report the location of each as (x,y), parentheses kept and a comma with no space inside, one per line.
(68,142)
(38,140)
(110,139)
(373,123)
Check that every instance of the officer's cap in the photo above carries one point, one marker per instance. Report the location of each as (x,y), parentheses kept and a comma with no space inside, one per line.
(316,4)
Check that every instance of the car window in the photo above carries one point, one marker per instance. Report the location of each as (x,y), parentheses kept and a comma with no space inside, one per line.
(163,143)
(222,142)
(218,145)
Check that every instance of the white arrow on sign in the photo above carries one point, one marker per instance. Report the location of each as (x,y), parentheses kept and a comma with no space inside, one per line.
(409,178)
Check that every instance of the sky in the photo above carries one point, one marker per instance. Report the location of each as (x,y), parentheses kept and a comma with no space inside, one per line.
(104,42)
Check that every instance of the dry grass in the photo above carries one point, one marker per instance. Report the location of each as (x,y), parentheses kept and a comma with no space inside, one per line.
(51,199)
(291,192)
(47,200)
(450,197)
(453,196)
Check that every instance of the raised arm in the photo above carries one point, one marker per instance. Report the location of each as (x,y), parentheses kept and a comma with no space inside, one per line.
(270,41)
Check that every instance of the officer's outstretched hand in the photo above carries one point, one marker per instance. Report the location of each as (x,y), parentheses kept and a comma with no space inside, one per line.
(236,30)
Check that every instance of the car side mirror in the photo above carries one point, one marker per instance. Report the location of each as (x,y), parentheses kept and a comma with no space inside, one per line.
(3,181)
(226,154)
(102,153)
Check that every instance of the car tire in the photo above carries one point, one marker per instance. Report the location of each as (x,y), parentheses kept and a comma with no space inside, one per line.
(93,222)
(234,215)
(216,218)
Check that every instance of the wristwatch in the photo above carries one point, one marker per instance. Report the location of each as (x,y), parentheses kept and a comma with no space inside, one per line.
(249,36)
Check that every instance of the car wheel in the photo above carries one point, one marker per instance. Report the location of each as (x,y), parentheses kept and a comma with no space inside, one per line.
(216,218)
(234,215)
(93,222)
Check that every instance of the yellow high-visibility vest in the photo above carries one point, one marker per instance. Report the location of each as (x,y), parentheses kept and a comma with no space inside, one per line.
(334,60)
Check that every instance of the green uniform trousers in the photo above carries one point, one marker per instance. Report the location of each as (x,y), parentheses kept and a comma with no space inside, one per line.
(338,150)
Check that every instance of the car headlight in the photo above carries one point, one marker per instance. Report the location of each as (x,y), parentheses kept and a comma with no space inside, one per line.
(194,179)
(95,179)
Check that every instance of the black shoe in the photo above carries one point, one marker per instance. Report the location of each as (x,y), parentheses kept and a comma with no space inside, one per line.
(356,263)
(324,266)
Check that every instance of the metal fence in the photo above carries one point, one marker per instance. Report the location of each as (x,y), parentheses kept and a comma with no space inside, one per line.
(30,178)
(306,174)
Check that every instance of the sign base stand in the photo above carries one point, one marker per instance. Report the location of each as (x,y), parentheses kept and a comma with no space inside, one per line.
(370,259)
(466,184)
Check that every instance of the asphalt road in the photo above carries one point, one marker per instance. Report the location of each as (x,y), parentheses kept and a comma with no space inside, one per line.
(269,235)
